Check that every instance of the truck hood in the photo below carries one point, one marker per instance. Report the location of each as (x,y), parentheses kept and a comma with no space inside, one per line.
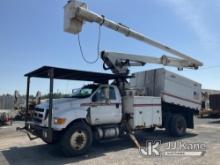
(64,103)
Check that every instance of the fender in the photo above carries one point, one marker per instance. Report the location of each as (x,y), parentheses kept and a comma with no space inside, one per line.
(69,115)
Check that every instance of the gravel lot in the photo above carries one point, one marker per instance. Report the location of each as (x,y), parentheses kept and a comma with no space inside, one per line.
(16,148)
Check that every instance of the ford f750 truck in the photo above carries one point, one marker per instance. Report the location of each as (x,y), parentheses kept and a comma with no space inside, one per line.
(118,103)
(101,111)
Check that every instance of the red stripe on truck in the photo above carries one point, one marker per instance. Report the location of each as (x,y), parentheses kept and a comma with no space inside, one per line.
(99,104)
(113,104)
(146,105)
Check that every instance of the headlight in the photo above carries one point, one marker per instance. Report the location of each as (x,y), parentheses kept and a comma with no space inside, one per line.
(59,121)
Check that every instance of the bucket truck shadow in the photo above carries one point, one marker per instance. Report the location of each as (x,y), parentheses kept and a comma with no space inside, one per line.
(39,154)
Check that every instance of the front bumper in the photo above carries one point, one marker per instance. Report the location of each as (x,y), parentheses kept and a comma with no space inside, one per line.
(39,132)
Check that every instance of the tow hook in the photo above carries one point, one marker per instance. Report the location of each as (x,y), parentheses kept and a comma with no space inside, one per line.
(24,130)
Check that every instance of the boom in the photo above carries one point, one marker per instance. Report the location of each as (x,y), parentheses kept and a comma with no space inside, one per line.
(76,13)
(119,62)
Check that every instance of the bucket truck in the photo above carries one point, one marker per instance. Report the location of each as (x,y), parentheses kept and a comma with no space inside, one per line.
(104,110)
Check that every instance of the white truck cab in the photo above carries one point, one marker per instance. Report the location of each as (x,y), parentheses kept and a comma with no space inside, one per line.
(66,110)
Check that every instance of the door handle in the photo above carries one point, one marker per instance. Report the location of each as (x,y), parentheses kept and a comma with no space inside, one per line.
(117,105)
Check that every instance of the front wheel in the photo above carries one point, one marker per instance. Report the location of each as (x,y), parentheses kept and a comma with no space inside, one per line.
(77,139)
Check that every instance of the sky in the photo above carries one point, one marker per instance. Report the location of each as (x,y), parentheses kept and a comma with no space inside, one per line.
(31,35)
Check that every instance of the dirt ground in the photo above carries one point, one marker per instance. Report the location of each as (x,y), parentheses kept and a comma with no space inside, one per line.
(17,149)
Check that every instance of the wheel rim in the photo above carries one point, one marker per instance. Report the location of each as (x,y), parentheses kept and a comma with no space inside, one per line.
(78,140)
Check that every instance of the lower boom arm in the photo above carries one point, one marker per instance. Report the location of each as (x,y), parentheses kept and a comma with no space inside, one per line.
(119,62)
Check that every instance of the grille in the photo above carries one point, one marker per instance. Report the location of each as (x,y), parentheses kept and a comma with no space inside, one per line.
(38,115)
(39,109)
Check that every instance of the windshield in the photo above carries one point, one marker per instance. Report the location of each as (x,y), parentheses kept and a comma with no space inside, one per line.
(84,92)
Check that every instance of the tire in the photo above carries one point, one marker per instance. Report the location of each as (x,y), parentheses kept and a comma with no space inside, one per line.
(177,126)
(149,129)
(76,140)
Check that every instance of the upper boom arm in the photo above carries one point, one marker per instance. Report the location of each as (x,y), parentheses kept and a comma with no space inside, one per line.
(76,13)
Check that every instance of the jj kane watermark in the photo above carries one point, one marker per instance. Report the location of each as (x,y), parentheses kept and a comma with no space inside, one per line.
(176,148)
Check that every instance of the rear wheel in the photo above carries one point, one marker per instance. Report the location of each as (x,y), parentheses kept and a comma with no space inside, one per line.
(177,126)
(77,139)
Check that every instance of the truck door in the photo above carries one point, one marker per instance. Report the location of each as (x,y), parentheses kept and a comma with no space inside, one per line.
(106,107)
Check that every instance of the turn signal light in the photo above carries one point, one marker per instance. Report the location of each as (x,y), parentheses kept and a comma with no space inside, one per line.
(59,121)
